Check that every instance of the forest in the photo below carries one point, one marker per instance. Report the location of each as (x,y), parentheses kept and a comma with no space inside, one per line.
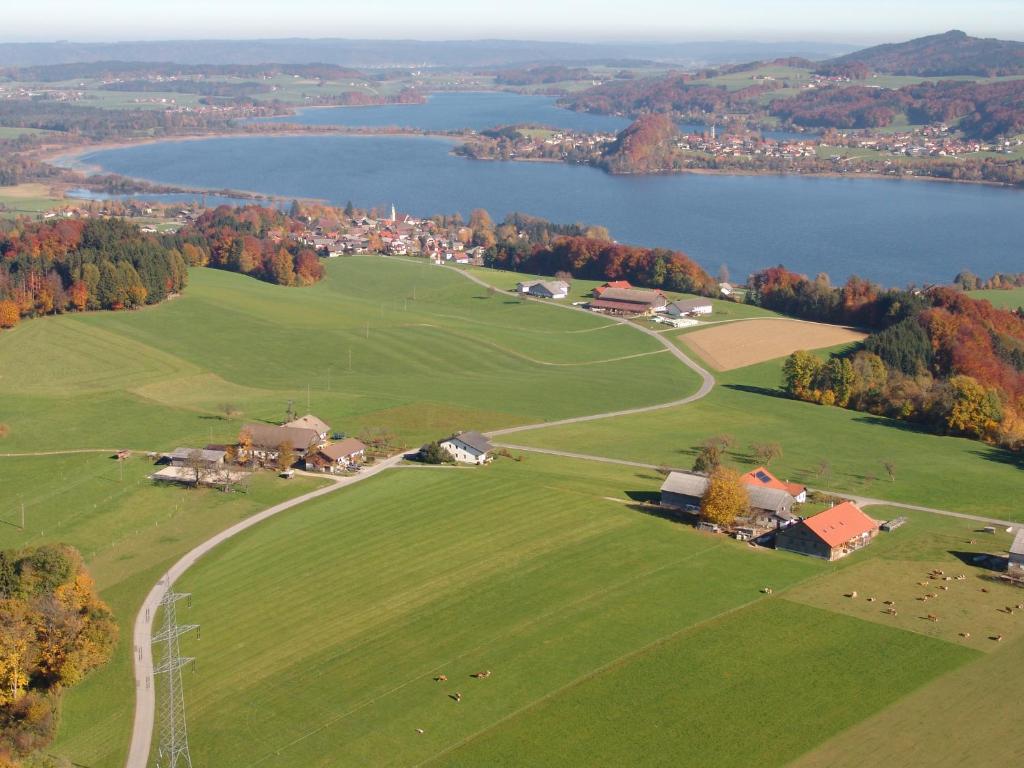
(646,146)
(252,240)
(77,264)
(54,630)
(675,92)
(937,357)
(985,110)
(592,258)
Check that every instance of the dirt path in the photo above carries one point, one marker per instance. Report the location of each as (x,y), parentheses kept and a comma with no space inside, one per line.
(142,633)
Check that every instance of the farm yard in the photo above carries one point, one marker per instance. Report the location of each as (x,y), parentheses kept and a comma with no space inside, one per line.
(737,345)
(324,628)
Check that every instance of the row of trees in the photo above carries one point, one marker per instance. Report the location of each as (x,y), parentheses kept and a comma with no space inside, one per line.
(596,259)
(955,365)
(54,630)
(253,240)
(78,265)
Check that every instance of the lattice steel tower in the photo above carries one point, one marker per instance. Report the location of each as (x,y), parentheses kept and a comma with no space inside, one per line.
(173,749)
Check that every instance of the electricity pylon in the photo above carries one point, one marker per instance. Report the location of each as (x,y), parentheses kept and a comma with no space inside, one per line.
(173,750)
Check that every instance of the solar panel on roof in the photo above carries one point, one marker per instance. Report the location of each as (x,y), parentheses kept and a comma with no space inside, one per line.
(763,477)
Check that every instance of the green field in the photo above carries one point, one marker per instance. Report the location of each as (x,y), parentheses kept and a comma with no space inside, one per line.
(378,344)
(615,635)
(1012,298)
(129,531)
(597,621)
(944,472)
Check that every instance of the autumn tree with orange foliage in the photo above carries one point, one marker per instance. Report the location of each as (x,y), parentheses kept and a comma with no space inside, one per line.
(726,498)
(54,630)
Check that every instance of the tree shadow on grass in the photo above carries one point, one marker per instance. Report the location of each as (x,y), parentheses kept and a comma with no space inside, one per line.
(677,516)
(752,389)
(903,426)
(983,560)
(1000,456)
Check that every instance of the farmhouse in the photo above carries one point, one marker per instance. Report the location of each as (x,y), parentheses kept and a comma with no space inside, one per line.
(336,457)
(762,478)
(831,534)
(546,289)
(689,307)
(309,421)
(629,301)
(1015,562)
(267,440)
(769,508)
(468,447)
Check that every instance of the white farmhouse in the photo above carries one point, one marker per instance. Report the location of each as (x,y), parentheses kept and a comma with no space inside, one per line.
(468,448)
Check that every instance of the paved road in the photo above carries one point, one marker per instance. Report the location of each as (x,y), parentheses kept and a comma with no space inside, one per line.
(145,695)
(707,381)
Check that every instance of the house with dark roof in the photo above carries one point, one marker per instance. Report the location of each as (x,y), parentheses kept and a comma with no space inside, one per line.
(468,447)
(689,308)
(684,490)
(831,534)
(545,289)
(193,457)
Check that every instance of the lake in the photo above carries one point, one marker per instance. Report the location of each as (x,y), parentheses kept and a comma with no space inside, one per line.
(477,110)
(894,232)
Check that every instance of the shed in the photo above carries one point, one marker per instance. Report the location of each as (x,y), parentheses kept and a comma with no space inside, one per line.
(684,490)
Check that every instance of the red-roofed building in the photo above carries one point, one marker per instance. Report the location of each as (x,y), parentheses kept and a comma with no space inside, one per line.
(614,284)
(831,534)
(762,478)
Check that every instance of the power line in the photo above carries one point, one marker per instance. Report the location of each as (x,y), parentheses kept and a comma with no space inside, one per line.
(173,750)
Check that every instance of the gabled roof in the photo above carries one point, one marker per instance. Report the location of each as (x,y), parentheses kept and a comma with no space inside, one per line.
(685,483)
(474,440)
(185,454)
(762,478)
(612,284)
(634,295)
(343,449)
(839,524)
(309,421)
(772,499)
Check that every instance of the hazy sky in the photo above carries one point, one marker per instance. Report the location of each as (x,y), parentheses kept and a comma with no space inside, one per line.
(859,21)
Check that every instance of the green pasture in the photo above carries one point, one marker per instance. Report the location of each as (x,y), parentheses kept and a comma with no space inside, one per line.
(944,472)
(129,531)
(1012,298)
(380,344)
(613,635)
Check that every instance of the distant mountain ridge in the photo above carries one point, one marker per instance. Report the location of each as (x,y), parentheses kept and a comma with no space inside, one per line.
(406,53)
(947,55)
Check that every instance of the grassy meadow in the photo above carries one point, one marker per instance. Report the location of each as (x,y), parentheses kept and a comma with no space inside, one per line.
(1012,298)
(380,343)
(614,636)
(945,472)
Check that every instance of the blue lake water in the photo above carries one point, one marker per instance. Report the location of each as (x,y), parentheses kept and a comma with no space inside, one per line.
(453,111)
(894,232)
(477,111)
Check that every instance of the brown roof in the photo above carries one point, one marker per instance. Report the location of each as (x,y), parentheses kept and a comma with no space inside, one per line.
(620,306)
(343,449)
(839,524)
(309,421)
(272,436)
(635,295)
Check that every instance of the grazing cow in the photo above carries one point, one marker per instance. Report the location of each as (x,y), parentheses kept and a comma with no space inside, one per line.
(482,675)
(871,599)
(965,635)
(932,617)
(766,590)
(997,638)
(852,594)
(441,679)
(922,583)
(984,589)
(944,588)
(419,730)
(457,696)
(889,602)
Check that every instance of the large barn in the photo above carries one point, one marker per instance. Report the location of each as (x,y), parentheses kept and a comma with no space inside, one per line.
(831,534)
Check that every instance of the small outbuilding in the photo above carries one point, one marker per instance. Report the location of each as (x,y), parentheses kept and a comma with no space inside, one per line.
(689,308)
(545,289)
